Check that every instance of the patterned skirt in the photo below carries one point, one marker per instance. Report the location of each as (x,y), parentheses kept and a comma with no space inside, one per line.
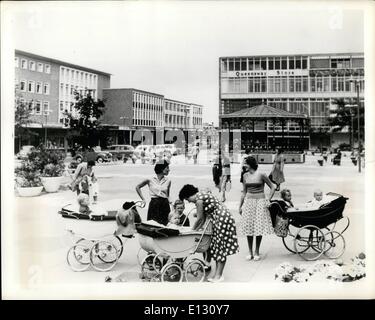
(256,218)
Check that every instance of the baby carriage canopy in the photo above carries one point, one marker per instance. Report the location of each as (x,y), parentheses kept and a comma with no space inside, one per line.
(327,214)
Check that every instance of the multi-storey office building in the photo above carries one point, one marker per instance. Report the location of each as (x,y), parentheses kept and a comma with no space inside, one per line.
(182,115)
(129,109)
(48,85)
(302,84)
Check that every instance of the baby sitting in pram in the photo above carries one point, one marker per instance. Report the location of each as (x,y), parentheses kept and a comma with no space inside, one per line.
(177,217)
(319,200)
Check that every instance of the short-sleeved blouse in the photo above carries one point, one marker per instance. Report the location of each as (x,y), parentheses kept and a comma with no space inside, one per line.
(159,188)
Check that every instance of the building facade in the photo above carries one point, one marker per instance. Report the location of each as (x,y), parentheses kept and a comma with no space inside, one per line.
(129,109)
(182,115)
(302,84)
(48,85)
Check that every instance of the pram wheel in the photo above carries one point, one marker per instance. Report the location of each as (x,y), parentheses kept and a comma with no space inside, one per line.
(194,271)
(335,245)
(309,242)
(171,272)
(288,241)
(151,266)
(117,242)
(103,256)
(78,257)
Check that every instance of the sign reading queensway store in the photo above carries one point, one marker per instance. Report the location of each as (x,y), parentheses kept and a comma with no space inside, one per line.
(269,73)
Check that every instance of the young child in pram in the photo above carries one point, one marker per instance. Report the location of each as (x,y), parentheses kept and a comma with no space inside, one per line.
(318,200)
(177,217)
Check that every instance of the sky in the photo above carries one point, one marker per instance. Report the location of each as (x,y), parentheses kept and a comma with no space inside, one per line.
(173,47)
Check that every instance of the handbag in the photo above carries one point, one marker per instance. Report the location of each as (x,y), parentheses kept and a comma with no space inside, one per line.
(281,226)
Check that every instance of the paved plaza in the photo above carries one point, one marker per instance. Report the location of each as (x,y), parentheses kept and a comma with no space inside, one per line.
(41,241)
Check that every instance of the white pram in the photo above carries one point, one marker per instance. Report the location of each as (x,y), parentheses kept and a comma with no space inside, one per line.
(98,238)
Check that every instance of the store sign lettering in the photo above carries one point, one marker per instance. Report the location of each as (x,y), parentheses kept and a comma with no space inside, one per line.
(271,73)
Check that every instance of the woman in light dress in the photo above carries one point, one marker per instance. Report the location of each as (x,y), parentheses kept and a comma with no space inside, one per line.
(256,220)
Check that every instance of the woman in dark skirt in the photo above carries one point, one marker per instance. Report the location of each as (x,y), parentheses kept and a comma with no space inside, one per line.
(159,187)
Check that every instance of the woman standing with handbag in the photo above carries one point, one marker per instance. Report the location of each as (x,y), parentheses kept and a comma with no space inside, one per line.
(256,219)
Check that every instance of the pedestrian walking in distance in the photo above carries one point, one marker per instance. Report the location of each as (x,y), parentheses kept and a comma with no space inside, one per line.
(277,173)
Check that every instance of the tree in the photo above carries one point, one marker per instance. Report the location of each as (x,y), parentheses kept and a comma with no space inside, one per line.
(85,122)
(341,117)
(22,113)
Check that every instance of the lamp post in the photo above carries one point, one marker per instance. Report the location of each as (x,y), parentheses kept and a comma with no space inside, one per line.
(357,83)
(45,113)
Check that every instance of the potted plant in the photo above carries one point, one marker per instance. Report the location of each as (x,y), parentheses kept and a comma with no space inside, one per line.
(52,167)
(28,179)
(52,176)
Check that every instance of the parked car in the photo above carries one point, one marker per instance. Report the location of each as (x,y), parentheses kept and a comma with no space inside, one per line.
(25,150)
(98,154)
(122,152)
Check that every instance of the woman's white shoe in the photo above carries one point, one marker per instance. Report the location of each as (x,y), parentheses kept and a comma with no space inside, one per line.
(249,257)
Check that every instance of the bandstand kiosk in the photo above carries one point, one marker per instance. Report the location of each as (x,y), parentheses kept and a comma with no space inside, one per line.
(263,129)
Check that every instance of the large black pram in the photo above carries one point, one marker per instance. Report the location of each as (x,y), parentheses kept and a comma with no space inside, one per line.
(311,232)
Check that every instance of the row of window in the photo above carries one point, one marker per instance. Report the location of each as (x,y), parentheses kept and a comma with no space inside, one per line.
(288,63)
(34,87)
(74,76)
(197,110)
(263,63)
(147,115)
(176,107)
(289,84)
(37,107)
(174,120)
(197,121)
(67,91)
(147,99)
(32,65)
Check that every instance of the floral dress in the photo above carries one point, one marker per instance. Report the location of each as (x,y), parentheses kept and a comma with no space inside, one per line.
(224,237)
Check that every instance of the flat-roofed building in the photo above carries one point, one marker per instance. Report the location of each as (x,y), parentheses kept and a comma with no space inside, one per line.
(302,84)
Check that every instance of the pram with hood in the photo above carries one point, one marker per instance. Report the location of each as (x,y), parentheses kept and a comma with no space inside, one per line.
(171,251)
(311,233)
(98,238)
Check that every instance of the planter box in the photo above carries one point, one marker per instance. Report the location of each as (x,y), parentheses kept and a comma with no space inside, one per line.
(51,184)
(30,191)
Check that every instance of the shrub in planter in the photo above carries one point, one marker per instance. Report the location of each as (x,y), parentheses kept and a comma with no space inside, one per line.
(28,180)
(52,176)
(53,170)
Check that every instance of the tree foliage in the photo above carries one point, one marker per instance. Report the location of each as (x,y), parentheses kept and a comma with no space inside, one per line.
(85,121)
(341,116)
(22,113)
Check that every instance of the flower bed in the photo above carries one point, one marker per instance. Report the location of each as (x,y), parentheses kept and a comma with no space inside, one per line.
(322,270)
